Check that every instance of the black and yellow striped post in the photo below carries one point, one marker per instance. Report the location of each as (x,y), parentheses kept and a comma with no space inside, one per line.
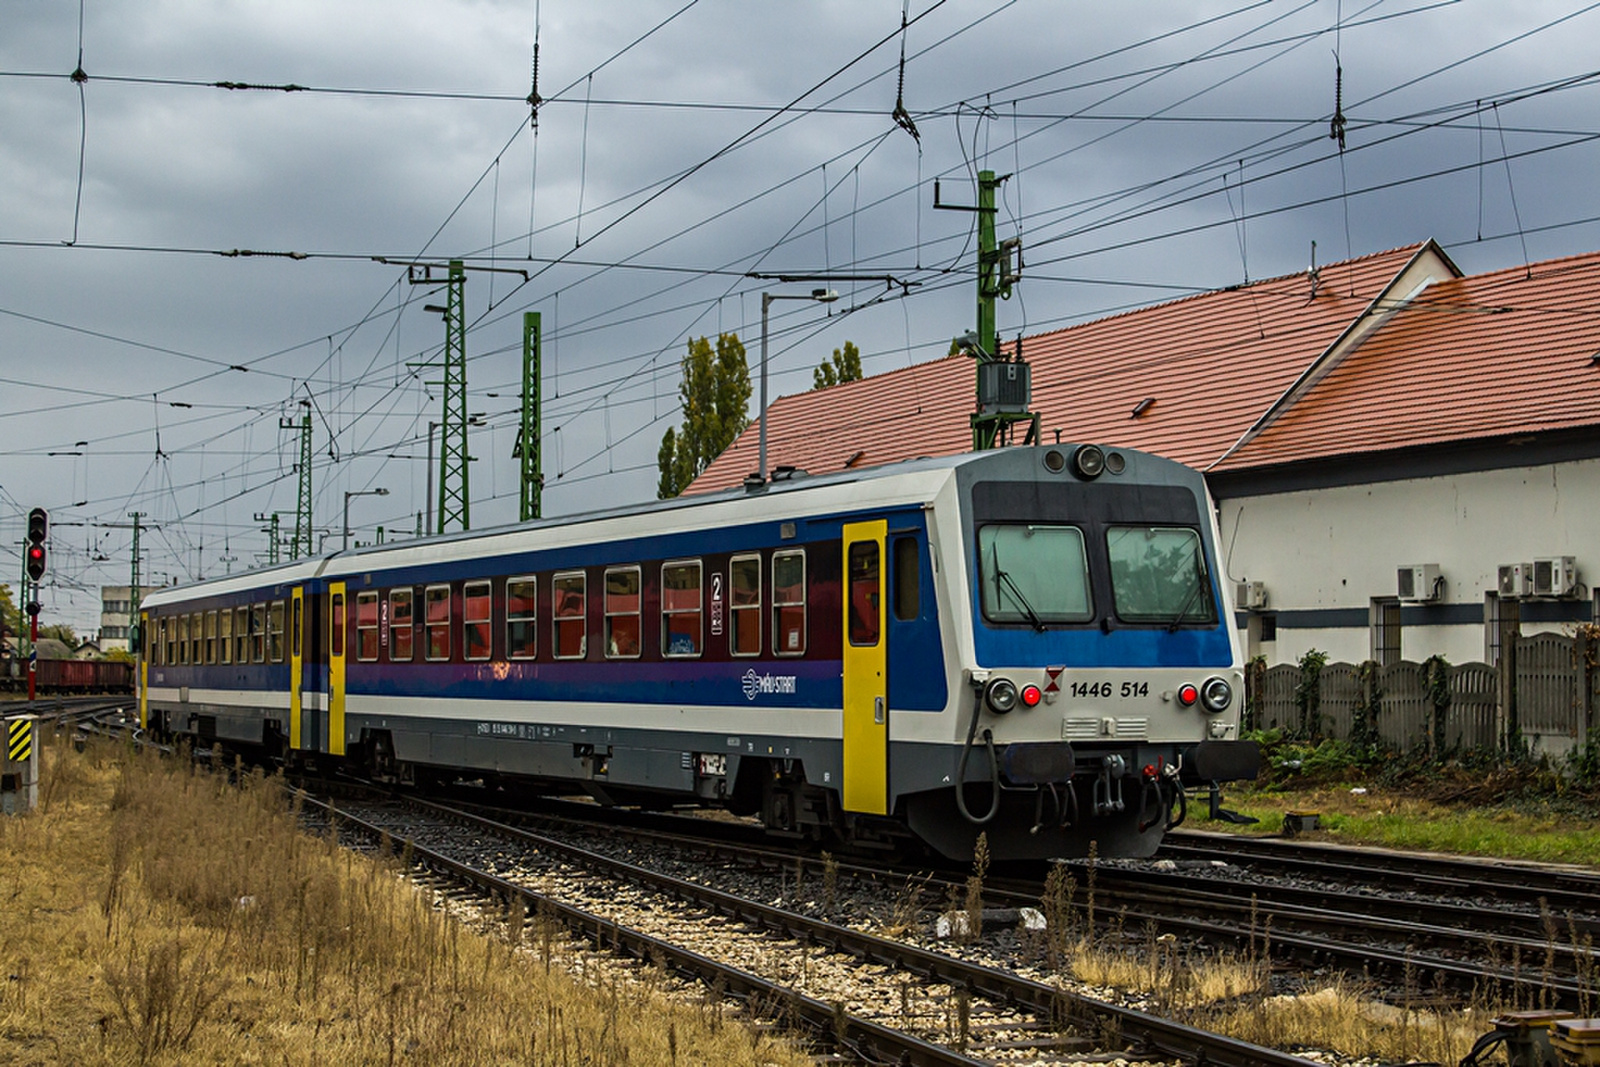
(19,775)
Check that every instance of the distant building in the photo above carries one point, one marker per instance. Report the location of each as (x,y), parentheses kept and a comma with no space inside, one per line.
(116,620)
(1405,460)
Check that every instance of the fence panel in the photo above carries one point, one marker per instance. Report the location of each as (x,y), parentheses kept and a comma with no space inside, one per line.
(1404,710)
(1473,720)
(1278,709)
(1548,700)
(1340,695)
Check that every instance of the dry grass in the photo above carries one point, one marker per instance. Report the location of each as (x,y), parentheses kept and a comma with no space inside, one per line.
(1341,1017)
(154,915)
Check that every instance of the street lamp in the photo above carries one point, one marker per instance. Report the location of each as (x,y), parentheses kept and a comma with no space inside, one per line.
(821,296)
(359,492)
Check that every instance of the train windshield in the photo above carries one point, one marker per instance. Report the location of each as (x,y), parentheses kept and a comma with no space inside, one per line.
(1158,574)
(1033,573)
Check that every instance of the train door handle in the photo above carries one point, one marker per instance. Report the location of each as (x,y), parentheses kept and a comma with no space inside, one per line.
(877,710)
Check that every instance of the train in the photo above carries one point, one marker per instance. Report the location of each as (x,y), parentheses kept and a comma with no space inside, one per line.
(1032,644)
(61,676)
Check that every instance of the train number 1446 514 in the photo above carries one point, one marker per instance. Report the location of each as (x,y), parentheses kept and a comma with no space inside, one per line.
(1108,690)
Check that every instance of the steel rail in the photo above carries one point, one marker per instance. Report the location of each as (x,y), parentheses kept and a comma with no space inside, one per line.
(1155,1035)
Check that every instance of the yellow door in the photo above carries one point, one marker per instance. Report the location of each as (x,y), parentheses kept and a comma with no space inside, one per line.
(336,635)
(866,693)
(297,664)
(144,670)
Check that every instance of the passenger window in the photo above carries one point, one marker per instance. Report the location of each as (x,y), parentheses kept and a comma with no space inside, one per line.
(258,633)
(297,628)
(275,630)
(789,603)
(744,580)
(907,579)
(336,624)
(225,636)
(521,618)
(569,610)
(680,609)
(476,620)
(241,635)
(436,603)
(401,622)
(194,639)
(865,601)
(367,626)
(211,636)
(622,612)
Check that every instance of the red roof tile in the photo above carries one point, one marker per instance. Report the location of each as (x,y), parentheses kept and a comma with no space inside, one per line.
(1212,364)
(1507,352)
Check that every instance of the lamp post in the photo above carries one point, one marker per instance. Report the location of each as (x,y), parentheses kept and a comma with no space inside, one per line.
(359,492)
(821,296)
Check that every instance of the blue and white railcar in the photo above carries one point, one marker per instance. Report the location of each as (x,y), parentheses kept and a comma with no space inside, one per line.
(833,653)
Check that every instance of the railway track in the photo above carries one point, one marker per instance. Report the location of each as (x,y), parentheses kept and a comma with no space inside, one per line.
(1530,887)
(885,1000)
(1415,947)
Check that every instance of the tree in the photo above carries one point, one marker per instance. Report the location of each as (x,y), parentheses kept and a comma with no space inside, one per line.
(844,367)
(714,395)
(10,615)
(60,631)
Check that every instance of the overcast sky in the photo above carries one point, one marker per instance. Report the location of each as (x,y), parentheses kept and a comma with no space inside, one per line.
(1156,150)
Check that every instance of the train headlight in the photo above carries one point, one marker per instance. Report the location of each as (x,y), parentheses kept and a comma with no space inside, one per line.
(1216,695)
(1088,462)
(1187,695)
(1001,695)
(1031,695)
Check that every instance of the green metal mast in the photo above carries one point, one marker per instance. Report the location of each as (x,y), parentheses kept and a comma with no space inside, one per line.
(454,497)
(301,545)
(1003,386)
(528,449)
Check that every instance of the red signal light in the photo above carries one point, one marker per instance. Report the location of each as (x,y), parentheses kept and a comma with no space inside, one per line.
(1031,695)
(1187,695)
(36,562)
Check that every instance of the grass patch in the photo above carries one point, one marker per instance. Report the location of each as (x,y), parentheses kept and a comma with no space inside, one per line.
(1524,828)
(156,915)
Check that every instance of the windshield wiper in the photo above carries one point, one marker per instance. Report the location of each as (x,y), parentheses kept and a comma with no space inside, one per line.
(1199,581)
(1002,576)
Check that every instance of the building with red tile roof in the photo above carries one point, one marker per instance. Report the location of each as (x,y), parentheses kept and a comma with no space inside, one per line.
(1378,415)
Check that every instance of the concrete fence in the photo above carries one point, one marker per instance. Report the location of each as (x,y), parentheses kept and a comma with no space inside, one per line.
(1547,703)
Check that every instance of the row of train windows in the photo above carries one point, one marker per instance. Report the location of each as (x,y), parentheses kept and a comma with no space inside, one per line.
(683,621)
(250,634)
(255,633)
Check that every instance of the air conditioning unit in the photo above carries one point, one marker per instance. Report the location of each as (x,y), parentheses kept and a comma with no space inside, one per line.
(1516,580)
(1418,581)
(1250,596)
(1555,576)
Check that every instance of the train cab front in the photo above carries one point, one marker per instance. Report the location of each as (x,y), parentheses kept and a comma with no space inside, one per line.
(1105,678)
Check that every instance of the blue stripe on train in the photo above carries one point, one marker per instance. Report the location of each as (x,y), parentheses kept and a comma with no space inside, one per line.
(754,683)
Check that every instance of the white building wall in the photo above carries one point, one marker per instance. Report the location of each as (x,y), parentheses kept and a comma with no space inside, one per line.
(1338,548)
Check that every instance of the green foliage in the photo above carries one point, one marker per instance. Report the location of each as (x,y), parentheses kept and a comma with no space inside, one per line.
(844,367)
(61,632)
(714,396)
(1364,728)
(1295,762)
(1436,683)
(10,614)
(1308,693)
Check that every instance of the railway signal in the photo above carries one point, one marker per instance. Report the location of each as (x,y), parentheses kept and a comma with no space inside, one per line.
(38,530)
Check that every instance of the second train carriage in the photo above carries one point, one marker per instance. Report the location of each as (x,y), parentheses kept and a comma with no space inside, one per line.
(831,653)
